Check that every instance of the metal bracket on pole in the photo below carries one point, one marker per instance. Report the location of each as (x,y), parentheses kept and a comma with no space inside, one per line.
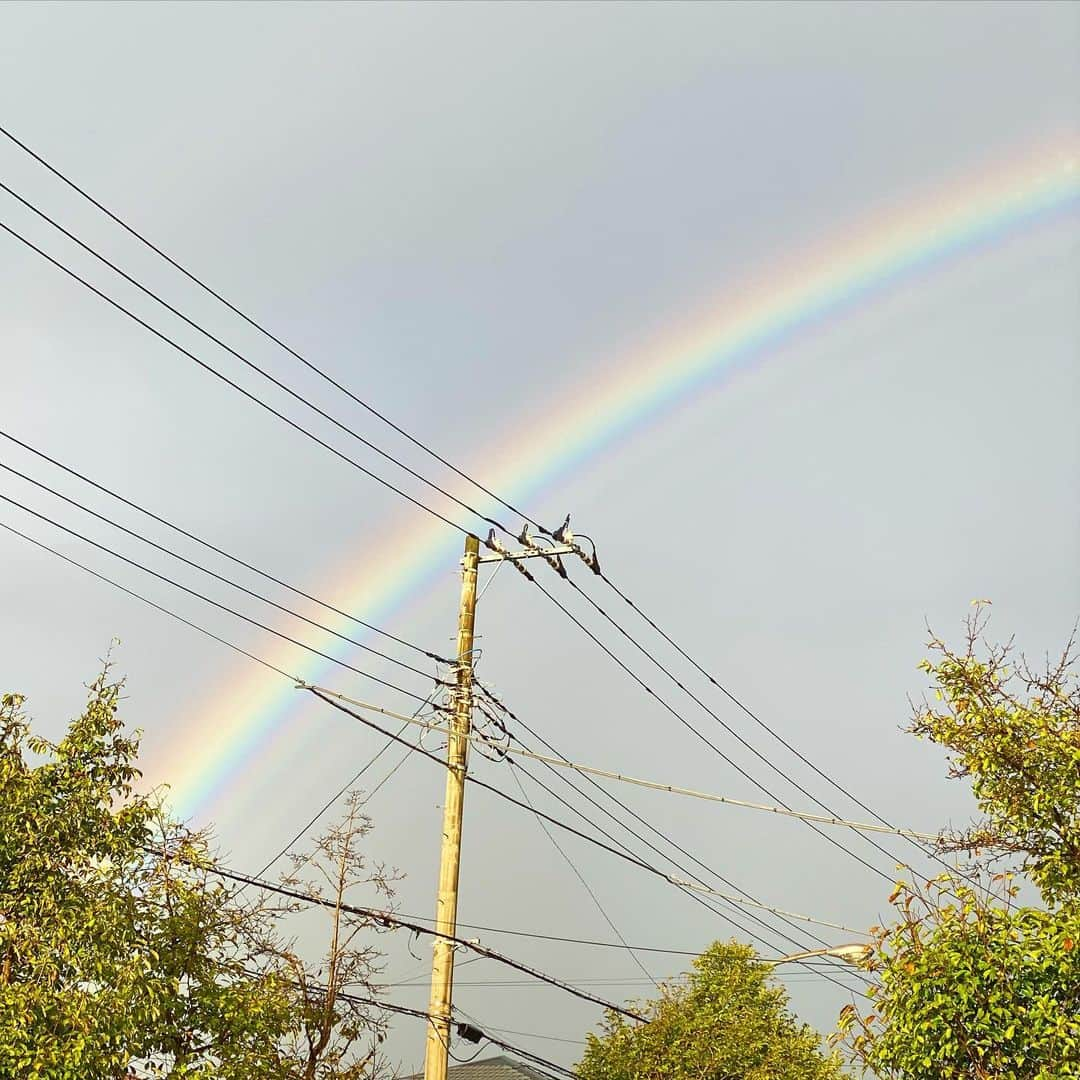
(530,553)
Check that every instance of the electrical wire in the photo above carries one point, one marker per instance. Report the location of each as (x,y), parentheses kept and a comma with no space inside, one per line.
(265,332)
(419,504)
(744,708)
(391,919)
(420,444)
(284,387)
(652,785)
(292,678)
(552,820)
(420,1014)
(303,831)
(700,735)
(727,727)
(285,674)
(214,574)
(584,882)
(235,385)
(626,808)
(223,641)
(146,600)
(221,551)
(206,599)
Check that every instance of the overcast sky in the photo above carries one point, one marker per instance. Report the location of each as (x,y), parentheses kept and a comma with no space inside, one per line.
(465,212)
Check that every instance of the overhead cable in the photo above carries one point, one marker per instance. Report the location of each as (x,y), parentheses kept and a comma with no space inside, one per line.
(399,491)
(668,707)
(214,574)
(267,333)
(568,780)
(390,919)
(653,785)
(221,551)
(293,678)
(146,600)
(209,600)
(727,727)
(563,825)
(382,417)
(280,384)
(584,883)
(474,1033)
(235,385)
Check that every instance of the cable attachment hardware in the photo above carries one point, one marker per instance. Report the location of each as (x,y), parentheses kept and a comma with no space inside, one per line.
(470,1033)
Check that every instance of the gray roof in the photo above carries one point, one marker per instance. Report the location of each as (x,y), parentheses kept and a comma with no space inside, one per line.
(496,1068)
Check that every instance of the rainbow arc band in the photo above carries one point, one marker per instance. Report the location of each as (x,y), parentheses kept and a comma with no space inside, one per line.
(241,727)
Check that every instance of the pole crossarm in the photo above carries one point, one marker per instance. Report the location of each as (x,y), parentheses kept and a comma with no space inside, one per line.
(529,553)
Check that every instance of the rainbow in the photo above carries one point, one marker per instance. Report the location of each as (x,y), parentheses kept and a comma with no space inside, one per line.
(244,725)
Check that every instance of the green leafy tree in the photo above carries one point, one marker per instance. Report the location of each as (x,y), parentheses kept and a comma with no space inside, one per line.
(729,1022)
(122,953)
(118,953)
(970,983)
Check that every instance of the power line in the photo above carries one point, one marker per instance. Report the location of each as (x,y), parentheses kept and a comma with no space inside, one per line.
(652,785)
(345,787)
(695,896)
(265,332)
(473,1034)
(235,385)
(146,600)
(566,779)
(382,417)
(416,502)
(296,395)
(206,599)
(743,707)
(221,551)
(389,918)
(212,573)
(281,672)
(264,663)
(584,883)
(709,901)
(730,730)
(704,738)
(555,821)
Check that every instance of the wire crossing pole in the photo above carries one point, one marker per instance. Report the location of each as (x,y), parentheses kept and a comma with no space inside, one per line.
(457,752)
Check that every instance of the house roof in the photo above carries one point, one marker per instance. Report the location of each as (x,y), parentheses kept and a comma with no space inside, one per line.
(496,1068)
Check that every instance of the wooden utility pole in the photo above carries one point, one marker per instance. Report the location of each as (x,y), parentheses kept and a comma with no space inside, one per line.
(457,753)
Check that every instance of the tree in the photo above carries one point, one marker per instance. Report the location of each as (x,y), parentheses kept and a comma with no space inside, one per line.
(336,1034)
(729,1022)
(122,953)
(117,950)
(970,983)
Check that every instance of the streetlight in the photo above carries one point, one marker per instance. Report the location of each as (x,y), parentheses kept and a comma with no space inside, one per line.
(855,954)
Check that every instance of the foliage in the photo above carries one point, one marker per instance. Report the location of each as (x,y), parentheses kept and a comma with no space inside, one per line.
(969,986)
(968,983)
(335,1034)
(1015,733)
(121,952)
(728,1023)
(116,947)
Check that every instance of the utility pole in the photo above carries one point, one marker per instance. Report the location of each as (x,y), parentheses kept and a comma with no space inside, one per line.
(437,1053)
(457,752)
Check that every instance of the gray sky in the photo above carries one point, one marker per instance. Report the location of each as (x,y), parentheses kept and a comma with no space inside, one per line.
(464,212)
